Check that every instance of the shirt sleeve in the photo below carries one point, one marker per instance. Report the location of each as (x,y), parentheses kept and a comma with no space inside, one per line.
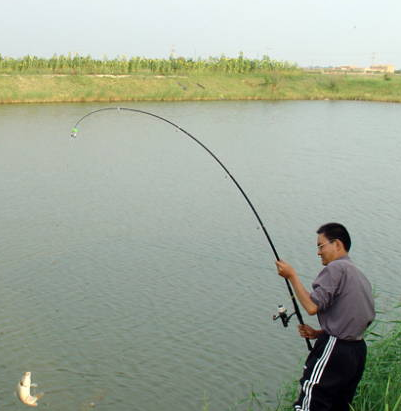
(326,286)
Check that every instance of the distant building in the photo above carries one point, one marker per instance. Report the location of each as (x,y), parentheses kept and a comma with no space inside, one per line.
(350,69)
(383,68)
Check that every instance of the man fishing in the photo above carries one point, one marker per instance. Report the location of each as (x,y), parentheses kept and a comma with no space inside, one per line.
(342,298)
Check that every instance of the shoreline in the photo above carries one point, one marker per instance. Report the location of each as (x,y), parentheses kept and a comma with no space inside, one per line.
(268,86)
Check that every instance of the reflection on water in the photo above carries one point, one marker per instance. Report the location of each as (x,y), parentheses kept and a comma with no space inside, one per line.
(133,274)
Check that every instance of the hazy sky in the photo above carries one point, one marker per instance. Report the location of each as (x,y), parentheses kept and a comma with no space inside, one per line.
(308,32)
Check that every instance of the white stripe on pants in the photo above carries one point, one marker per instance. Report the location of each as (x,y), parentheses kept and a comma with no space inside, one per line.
(317,372)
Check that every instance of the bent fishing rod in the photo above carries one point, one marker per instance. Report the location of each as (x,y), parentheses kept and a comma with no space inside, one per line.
(282,312)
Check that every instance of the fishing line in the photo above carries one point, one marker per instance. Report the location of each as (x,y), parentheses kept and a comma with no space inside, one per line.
(282,313)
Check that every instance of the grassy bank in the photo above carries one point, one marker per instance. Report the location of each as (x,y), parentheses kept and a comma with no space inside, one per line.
(379,389)
(289,84)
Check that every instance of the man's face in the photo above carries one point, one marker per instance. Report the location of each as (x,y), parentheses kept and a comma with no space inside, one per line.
(327,250)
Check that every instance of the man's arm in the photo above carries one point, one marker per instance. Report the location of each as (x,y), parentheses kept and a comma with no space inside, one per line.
(287,271)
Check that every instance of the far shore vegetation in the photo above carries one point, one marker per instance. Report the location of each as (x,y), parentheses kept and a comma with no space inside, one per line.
(75,78)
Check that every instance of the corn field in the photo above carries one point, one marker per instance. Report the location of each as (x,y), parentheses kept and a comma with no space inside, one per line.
(76,64)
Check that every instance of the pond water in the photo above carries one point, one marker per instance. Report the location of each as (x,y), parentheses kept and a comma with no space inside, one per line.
(133,274)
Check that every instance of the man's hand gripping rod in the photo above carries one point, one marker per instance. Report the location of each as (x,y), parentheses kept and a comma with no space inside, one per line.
(282,312)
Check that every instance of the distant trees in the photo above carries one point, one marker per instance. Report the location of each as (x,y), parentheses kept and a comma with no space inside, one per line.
(76,64)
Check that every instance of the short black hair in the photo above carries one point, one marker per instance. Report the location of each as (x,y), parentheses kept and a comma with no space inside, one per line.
(336,231)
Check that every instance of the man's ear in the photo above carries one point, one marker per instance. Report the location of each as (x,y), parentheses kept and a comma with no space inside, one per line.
(339,245)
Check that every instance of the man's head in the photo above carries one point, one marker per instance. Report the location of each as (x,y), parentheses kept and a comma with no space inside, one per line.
(333,242)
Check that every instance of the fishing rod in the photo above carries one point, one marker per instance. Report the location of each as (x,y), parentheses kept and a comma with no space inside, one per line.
(282,312)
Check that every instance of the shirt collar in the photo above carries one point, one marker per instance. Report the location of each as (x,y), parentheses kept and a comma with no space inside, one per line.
(344,257)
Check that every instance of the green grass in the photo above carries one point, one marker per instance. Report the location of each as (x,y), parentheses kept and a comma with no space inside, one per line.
(268,85)
(380,388)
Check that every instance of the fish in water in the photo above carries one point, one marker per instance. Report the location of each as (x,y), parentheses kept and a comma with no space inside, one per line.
(24,390)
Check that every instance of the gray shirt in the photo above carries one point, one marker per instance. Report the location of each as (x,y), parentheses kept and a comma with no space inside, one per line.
(344,299)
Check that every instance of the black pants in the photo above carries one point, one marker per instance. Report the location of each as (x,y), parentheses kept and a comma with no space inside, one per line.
(332,372)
